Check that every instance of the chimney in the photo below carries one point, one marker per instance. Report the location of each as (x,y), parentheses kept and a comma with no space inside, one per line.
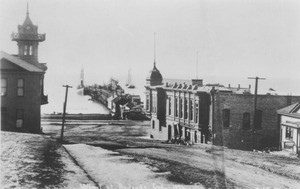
(249,86)
(228,85)
(239,86)
(198,82)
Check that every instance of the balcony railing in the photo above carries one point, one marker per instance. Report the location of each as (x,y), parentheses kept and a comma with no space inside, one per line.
(44,99)
(35,37)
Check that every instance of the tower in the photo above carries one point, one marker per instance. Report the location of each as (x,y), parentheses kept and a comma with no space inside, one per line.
(28,40)
(82,77)
(154,77)
(22,82)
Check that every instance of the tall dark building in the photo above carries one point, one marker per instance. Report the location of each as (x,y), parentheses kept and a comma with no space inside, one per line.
(22,81)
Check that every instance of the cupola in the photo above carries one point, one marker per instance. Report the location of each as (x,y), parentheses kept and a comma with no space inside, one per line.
(154,77)
(28,40)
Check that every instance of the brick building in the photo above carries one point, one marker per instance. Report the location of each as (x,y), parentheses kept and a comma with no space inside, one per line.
(22,82)
(198,113)
(233,120)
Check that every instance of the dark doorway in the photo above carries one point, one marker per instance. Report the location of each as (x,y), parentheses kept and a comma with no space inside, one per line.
(175,131)
(169,132)
(3,118)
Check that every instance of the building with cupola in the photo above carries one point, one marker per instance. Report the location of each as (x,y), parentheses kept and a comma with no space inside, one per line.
(22,81)
(190,111)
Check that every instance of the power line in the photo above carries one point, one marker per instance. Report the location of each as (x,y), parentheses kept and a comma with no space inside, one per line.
(64,113)
(254,107)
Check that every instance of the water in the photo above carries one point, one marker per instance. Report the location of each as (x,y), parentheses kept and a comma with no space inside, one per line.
(81,104)
(77,103)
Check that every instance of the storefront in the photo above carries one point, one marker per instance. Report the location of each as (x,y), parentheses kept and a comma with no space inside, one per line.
(290,128)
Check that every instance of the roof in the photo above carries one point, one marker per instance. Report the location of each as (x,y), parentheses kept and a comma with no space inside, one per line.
(154,73)
(22,63)
(173,81)
(27,21)
(289,109)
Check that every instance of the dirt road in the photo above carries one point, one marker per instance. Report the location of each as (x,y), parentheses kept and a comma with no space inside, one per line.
(206,165)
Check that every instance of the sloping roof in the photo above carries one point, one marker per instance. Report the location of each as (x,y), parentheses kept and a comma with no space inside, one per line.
(19,62)
(289,109)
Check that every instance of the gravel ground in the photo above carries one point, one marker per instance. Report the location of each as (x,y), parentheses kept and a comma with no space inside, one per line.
(206,165)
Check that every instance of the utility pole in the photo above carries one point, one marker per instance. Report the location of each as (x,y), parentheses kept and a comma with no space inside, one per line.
(254,108)
(64,113)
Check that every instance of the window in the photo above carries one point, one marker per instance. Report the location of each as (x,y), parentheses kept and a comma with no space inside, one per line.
(170,105)
(3,87)
(20,118)
(20,87)
(196,110)
(154,103)
(258,119)
(147,102)
(289,133)
(191,110)
(185,108)
(153,124)
(30,50)
(159,127)
(26,50)
(246,120)
(180,108)
(226,117)
(176,107)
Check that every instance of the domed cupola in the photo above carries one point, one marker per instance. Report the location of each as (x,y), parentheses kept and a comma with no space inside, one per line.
(154,77)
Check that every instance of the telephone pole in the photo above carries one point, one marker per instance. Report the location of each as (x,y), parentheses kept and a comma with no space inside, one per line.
(64,113)
(254,108)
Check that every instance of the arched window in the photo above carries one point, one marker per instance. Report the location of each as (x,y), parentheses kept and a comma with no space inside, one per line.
(185,108)
(180,108)
(226,117)
(176,107)
(246,120)
(147,102)
(191,110)
(196,111)
(170,105)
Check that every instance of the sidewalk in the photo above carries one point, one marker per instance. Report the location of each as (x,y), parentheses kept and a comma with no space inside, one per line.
(37,161)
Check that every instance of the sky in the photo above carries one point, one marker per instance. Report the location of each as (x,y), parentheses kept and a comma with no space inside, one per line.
(234,40)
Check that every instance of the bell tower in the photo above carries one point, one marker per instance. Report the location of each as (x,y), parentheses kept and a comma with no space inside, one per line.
(28,40)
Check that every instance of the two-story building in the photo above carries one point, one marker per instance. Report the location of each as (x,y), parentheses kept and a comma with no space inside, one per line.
(200,113)
(178,110)
(22,82)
